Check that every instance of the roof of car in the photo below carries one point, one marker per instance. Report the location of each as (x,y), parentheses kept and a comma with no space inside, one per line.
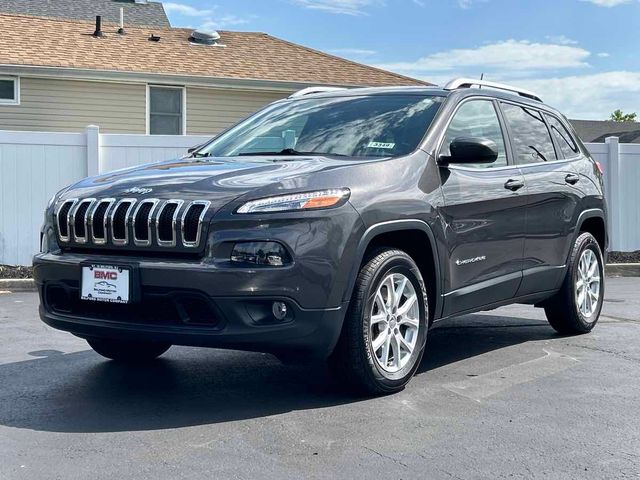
(431,90)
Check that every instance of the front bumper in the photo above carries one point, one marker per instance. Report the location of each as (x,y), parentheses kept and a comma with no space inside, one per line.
(189,303)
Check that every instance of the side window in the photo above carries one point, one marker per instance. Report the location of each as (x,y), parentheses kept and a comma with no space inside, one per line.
(567,144)
(530,136)
(477,118)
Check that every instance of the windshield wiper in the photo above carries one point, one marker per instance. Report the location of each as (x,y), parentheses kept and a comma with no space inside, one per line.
(290,152)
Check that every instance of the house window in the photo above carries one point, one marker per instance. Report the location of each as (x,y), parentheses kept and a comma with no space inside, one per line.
(9,91)
(166,110)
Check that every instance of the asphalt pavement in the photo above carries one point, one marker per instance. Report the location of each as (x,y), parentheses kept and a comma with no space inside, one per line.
(498,395)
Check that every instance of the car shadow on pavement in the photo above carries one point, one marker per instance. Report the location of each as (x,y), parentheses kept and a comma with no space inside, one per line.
(473,335)
(81,392)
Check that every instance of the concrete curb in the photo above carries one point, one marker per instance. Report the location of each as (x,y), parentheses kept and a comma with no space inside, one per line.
(17,285)
(623,270)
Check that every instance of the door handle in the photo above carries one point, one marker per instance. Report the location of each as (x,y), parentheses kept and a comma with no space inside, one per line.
(514,184)
(572,179)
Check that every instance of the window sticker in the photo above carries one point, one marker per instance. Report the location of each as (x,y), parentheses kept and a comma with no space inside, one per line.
(386,146)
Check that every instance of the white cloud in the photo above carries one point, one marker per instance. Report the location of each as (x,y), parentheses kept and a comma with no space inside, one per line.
(465,4)
(561,40)
(584,97)
(223,21)
(345,7)
(353,52)
(186,10)
(209,18)
(608,3)
(592,96)
(508,55)
(603,55)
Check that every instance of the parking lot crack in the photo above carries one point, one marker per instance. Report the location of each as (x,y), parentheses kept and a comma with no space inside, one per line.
(607,351)
(382,455)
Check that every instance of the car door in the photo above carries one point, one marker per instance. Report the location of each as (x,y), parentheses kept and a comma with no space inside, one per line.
(551,195)
(483,214)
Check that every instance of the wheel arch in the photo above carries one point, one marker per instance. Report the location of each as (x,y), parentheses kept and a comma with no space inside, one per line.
(594,222)
(405,235)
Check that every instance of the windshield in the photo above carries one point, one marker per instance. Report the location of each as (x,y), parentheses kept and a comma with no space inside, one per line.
(363,126)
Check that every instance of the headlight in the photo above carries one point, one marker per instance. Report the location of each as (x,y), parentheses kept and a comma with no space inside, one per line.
(297,201)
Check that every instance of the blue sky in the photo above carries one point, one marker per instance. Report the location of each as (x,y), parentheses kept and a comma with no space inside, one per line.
(582,56)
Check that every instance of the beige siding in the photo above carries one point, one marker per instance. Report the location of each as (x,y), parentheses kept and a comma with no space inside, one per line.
(209,111)
(71,105)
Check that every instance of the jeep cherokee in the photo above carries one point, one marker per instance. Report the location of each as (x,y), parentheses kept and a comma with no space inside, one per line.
(336,224)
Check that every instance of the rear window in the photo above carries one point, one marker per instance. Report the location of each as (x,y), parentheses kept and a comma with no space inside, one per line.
(363,126)
(563,138)
(530,136)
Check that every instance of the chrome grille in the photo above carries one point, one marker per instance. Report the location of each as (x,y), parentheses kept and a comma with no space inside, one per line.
(166,222)
(119,221)
(62,219)
(142,222)
(191,221)
(130,222)
(98,221)
(78,218)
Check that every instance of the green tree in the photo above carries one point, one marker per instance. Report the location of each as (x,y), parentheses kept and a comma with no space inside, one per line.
(619,116)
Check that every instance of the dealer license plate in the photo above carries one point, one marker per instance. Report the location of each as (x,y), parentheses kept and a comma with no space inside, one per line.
(105,283)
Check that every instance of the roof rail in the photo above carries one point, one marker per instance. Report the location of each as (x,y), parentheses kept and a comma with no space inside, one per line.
(470,82)
(312,90)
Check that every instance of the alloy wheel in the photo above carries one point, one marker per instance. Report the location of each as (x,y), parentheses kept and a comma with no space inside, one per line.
(587,288)
(394,322)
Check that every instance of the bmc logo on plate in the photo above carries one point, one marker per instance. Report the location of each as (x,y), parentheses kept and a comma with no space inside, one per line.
(105,275)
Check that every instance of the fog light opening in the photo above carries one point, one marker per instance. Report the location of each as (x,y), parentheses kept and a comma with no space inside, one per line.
(279,310)
(271,254)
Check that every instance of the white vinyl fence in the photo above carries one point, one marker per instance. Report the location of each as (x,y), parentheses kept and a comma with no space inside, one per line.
(35,165)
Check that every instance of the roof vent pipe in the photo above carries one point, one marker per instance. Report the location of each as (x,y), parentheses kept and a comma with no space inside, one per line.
(204,37)
(121,29)
(98,33)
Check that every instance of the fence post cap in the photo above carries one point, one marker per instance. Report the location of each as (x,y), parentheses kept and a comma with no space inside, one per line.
(611,140)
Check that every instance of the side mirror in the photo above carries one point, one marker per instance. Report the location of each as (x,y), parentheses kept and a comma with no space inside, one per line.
(471,150)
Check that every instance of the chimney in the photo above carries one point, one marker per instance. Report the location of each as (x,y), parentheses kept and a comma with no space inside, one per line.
(98,33)
(121,29)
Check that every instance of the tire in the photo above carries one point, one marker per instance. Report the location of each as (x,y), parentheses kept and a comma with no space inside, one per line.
(565,313)
(359,365)
(126,351)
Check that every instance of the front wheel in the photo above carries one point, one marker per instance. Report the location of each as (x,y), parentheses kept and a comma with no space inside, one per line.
(576,307)
(126,351)
(385,329)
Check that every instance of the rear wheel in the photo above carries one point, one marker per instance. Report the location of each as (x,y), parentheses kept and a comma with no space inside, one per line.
(385,330)
(576,307)
(128,351)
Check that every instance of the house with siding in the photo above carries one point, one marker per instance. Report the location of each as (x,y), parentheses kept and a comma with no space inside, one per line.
(56,75)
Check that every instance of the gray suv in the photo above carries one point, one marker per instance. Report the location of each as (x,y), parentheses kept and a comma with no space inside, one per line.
(339,225)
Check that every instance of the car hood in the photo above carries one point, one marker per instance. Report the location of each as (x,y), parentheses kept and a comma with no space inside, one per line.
(219,180)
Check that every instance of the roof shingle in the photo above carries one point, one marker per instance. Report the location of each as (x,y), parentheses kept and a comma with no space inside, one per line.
(245,55)
(151,13)
(597,131)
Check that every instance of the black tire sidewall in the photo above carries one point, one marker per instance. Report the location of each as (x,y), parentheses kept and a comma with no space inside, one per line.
(404,265)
